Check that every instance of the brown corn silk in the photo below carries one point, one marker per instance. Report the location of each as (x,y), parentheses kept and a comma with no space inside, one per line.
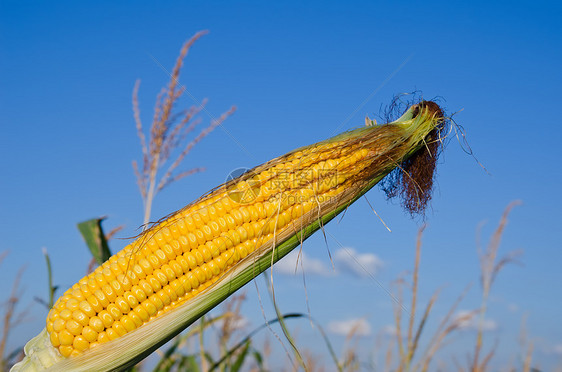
(241,227)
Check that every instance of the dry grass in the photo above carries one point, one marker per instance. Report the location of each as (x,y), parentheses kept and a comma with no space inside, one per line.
(11,318)
(406,352)
(527,346)
(407,336)
(350,356)
(410,355)
(164,148)
(168,134)
(231,322)
(408,344)
(490,266)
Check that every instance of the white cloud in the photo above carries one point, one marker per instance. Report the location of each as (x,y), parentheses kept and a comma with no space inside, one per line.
(489,325)
(237,323)
(356,327)
(346,260)
(472,322)
(297,260)
(240,322)
(513,308)
(389,330)
(464,319)
(361,265)
(557,349)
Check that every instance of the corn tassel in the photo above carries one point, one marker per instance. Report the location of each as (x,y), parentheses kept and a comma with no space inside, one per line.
(189,262)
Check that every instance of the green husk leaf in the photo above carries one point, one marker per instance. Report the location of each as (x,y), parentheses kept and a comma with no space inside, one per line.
(93,235)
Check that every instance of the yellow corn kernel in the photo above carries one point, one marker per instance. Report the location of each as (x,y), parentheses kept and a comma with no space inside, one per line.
(97,324)
(111,334)
(72,304)
(149,307)
(103,338)
(141,313)
(156,301)
(54,337)
(164,297)
(89,334)
(106,318)
(128,323)
(65,314)
(80,343)
(58,325)
(65,337)
(66,350)
(80,317)
(114,311)
(116,287)
(87,309)
(139,294)
(73,327)
(101,298)
(135,318)
(119,328)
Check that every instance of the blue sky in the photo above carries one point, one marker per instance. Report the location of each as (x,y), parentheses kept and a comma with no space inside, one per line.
(298,73)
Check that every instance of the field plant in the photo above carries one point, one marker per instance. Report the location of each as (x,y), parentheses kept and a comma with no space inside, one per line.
(11,317)
(167,141)
(410,355)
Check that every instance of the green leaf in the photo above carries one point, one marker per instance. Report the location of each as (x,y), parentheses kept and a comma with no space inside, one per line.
(241,358)
(169,358)
(259,359)
(282,323)
(189,363)
(134,369)
(248,338)
(94,236)
(208,357)
(52,288)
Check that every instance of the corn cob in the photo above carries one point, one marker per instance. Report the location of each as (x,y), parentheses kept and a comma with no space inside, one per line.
(196,257)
